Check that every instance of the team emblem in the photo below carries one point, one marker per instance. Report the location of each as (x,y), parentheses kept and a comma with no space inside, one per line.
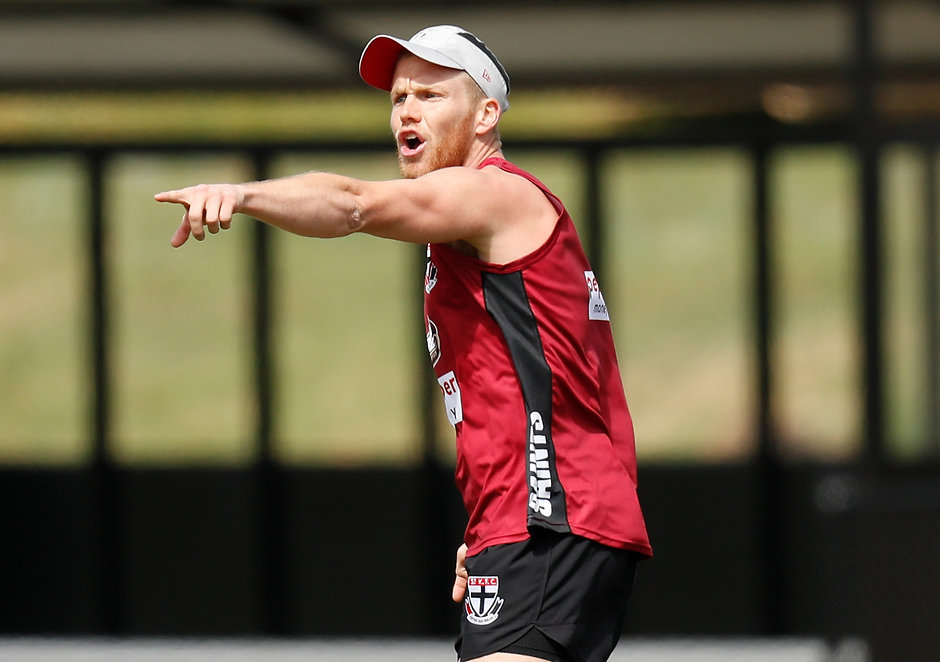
(434,342)
(482,602)
(430,274)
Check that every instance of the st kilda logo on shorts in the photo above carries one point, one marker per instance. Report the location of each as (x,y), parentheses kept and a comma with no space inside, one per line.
(482,602)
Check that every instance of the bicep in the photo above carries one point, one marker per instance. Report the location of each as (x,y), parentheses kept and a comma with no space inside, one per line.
(442,206)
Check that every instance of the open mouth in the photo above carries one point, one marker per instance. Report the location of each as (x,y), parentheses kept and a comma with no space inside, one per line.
(410,144)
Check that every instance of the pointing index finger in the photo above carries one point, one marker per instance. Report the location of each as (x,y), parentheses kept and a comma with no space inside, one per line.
(170,196)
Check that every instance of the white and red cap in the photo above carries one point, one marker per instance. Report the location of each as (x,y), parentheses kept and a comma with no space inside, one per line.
(444,45)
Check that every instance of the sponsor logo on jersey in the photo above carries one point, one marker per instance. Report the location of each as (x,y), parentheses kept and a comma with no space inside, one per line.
(451,390)
(540,470)
(482,603)
(597,309)
(434,342)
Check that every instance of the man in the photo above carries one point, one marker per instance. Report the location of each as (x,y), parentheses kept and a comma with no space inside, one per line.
(520,339)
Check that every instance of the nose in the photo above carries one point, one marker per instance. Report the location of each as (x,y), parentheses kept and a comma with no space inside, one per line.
(409,109)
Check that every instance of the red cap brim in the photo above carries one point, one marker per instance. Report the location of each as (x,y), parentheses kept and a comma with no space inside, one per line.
(377,64)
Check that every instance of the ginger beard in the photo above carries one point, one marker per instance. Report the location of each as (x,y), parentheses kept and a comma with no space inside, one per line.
(450,149)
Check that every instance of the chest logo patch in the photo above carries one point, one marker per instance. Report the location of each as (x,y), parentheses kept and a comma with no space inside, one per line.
(451,390)
(482,603)
(597,308)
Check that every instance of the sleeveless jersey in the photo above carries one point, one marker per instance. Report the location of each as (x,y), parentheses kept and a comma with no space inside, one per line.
(525,359)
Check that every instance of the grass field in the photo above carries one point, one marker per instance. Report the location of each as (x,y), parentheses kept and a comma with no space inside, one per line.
(678,282)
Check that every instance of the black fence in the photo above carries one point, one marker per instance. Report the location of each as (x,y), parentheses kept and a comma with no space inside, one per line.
(194,553)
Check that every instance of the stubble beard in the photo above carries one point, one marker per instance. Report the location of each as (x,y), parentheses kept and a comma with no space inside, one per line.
(452,152)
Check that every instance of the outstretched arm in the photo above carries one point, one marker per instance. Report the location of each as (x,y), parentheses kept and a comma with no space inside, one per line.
(502,215)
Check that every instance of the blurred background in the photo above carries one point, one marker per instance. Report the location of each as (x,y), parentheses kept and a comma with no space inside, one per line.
(242,438)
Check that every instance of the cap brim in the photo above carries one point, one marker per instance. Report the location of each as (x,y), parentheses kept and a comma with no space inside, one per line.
(379,57)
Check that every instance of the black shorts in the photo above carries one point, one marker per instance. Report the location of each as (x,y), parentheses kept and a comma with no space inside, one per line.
(556,597)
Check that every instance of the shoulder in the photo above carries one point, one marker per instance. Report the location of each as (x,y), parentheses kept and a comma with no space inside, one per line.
(520,214)
(504,190)
(491,194)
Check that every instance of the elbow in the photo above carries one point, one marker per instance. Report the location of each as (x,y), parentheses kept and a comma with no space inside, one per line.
(366,213)
(354,208)
(354,220)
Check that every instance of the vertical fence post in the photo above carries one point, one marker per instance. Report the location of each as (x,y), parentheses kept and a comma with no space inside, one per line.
(436,549)
(592,207)
(270,516)
(770,484)
(103,477)
(763,300)
(867,136)
(931,268)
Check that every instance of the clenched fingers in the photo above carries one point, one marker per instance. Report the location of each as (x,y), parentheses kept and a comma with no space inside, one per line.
(182,233)
(459,591)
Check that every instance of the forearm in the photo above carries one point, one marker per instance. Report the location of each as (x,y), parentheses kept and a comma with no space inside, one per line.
(312,204)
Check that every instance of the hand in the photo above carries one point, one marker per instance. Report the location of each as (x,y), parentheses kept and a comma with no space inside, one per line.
(460,581)
(207,206)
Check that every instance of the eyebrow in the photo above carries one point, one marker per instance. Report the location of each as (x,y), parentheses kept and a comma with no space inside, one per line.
(418,87)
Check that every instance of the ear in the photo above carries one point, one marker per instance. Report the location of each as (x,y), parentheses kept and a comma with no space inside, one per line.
(488,116)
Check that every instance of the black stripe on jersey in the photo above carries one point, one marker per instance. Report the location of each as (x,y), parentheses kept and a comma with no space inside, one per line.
(508,304)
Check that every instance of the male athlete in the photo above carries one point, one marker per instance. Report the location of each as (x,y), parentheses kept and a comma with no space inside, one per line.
(519,336)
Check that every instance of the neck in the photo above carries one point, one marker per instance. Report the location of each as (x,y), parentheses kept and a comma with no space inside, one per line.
(483,150)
